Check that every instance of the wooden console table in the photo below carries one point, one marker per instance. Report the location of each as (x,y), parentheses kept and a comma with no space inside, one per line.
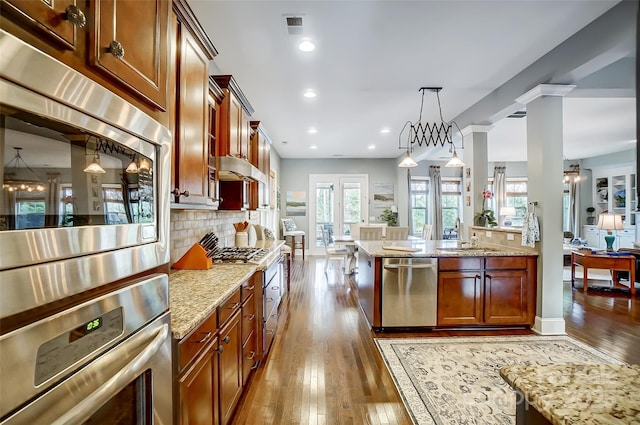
(615,263)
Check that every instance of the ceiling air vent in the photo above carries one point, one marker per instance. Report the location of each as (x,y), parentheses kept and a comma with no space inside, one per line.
(518,114)
(294,25)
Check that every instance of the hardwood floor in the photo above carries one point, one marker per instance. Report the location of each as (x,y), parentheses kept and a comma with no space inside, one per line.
(324,367)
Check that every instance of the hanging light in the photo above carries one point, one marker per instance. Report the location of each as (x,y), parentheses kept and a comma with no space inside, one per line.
(573,175)
(429,134)
(132,168)
(94,167)
(12,184)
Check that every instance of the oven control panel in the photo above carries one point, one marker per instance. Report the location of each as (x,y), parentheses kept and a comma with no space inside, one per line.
(64,350)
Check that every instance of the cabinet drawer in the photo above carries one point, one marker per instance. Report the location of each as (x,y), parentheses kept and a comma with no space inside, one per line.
(270,330)
(248,318)
(506,263)
(460,263)
(229,307)
(191,345)
(247,289)
(249,358)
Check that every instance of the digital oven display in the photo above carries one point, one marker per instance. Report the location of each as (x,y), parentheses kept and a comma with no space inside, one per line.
(87,328)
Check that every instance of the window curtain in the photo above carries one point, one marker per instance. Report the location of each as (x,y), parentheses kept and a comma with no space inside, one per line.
(434,172)
(574,208)
(8,207)
(499,190)
(52,202)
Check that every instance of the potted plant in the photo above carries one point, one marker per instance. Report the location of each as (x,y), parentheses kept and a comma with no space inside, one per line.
(590,219)
(485,217)
(389,216)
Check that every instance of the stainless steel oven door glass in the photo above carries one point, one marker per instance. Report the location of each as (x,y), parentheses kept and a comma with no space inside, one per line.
(106,361)
(84,229)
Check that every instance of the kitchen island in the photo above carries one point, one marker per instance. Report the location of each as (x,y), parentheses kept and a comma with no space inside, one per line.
(575,393)
(466,287)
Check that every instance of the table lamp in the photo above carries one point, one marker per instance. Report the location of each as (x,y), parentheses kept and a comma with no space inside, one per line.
(507,212)
(609,222)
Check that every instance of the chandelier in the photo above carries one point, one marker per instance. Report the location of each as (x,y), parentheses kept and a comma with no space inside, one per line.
(428,134)
(16,180)
(573,175)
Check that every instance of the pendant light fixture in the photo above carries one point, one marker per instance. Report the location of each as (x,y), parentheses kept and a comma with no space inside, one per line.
(429,134)
(94,167)
(132,168)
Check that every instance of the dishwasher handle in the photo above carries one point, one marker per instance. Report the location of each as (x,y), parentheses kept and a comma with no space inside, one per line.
(409,266)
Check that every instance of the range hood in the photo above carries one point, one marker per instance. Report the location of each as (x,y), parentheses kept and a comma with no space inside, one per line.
(231,168)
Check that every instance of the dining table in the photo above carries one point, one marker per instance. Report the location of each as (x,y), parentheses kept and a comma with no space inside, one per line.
(350,244)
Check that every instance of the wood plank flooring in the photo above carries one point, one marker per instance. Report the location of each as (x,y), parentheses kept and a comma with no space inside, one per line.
(324,367)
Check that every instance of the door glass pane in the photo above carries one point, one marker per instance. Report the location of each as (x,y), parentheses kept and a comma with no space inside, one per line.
(351,211)
(324,211)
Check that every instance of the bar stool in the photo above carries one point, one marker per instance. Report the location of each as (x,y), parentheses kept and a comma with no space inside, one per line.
(289,229)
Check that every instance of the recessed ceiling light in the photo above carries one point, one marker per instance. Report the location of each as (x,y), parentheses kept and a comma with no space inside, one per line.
(385,130)
(310,94)
(313,147)
(312,130)
(284,142)
(372,147)
(306,46)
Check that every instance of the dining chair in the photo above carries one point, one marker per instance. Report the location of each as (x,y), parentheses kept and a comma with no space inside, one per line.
(354,230)
(332,252)
(289,229)
(426,231)
(369,233)
(397,233)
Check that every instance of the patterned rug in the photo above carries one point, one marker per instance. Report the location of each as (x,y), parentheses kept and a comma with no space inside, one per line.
(457,380)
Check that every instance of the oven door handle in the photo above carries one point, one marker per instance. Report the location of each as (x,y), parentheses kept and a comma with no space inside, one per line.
(117,382)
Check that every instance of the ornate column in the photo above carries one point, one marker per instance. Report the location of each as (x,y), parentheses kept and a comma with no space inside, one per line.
(545,172)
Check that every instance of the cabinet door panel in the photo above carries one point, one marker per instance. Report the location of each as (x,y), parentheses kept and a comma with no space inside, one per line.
(192,173)
(199,392)
(140,28)
(230,367)
(48,17)
(460,298)
(505,297)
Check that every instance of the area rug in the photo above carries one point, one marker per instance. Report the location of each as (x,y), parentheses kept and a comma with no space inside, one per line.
(457,380)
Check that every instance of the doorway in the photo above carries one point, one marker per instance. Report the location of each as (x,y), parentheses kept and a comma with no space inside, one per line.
(336,200)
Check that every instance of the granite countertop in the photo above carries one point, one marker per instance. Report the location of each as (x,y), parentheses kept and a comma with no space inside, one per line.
(440,248)
(195,294)
(580,393)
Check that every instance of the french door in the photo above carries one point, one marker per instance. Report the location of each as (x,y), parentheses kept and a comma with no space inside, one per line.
(335,201)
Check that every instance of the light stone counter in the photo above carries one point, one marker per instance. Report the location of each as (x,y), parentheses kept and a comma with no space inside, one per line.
(195,294)
(438,248)
(593,394)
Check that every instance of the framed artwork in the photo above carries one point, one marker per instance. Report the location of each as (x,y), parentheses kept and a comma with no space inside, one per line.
(468,201)
(383,195)
(296,204)
(468,186)
(467,173)
(272,190)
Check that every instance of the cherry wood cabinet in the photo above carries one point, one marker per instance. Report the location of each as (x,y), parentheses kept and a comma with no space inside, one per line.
(250,359)
(121,44)
(486,291)
(196,361)
(260,157)
(194,109)
(230,335)
(234,119)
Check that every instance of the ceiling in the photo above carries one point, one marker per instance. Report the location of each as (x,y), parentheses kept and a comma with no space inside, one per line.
(371,58)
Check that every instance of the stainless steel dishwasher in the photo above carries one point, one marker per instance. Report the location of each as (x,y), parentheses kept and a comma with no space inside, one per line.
(409,292)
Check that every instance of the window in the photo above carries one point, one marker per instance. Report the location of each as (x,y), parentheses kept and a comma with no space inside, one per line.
(516,196)
(418,204)
(451,205)
(30,210)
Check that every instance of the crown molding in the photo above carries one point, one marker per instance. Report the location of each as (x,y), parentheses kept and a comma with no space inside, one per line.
(545,90)
(475,128)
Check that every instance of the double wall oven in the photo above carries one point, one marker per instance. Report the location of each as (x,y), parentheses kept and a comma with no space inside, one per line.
(84,309)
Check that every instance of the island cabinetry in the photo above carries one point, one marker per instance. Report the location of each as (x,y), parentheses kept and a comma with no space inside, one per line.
(460,295)
(486,291)
(121,44)
(196,360)
(369,288)
(193,108)
(230,336)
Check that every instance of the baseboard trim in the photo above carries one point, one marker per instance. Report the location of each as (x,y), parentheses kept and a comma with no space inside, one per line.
(545,326)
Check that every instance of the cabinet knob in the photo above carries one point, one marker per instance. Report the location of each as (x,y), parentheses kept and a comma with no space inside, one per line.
(116,49)
(176,192)
(226,339)
(76,16)
(220,349)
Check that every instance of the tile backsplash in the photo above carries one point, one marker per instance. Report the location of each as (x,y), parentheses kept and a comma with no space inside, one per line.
(188,226)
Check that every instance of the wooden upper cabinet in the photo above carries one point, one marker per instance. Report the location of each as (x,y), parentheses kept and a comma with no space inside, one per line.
(234,129)
(130,45)
(61,21)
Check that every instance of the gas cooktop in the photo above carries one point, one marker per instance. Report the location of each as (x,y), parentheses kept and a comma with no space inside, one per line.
(232,254)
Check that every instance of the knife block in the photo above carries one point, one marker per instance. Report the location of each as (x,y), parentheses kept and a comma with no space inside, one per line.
(194,259)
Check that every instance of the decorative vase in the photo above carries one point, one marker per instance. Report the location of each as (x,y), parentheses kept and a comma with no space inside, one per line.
(481,221)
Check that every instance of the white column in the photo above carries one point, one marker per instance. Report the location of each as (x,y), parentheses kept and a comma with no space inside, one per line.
(476,161)
(545,172)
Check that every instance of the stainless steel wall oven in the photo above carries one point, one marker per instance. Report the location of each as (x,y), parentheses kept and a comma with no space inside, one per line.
(84,222)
